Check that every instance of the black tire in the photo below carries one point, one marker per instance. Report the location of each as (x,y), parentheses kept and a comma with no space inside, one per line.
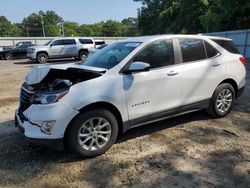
(213,109)
(42,58)
(72,135)
(76,58)
(83,55)
(8,56)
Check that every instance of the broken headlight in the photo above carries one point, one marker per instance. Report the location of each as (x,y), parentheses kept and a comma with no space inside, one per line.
(47,98)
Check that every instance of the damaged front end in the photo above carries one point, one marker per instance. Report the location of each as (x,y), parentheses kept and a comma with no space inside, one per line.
(46,85)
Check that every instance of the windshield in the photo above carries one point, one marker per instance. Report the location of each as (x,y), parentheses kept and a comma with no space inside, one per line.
(111,55)
(47,43)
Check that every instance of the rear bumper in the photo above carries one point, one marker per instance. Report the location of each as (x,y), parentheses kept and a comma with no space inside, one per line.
(31,56)
(240,91)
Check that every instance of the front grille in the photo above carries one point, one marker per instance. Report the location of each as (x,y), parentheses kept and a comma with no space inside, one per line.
(25,96)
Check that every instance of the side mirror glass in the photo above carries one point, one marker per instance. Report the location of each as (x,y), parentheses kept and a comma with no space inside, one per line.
(137,67)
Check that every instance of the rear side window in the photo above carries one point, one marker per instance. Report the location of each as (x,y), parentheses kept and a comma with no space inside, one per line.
(192,50)
(69,42)
(157,54)
(228,45)
(86,41)
(211,51)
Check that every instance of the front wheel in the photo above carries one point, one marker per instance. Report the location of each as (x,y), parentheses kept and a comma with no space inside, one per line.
(92,133)
(222,101)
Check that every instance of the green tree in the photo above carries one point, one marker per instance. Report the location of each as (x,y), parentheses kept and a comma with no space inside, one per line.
(130,27)
(70,29)
(112,28)
(192,16)
(7,29)
(231,14)
(33,24)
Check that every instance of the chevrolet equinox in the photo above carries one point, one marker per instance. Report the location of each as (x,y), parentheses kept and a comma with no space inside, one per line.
(127,84)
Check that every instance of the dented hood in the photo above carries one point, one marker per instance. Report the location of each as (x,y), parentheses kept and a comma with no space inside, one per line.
(38,73)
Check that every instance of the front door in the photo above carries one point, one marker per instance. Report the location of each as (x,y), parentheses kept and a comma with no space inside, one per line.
(57,49)
(152,93)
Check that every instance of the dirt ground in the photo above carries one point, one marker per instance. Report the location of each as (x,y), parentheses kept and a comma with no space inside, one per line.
(192,150)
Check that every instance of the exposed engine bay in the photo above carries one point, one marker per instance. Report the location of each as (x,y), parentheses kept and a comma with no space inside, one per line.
(46,85)
(58,79)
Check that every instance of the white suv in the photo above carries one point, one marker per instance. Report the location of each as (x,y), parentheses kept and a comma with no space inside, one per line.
(127,84)
(61,48)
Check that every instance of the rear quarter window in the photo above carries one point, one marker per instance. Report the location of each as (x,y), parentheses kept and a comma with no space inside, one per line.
(227,45)
(86,41)
(211,51)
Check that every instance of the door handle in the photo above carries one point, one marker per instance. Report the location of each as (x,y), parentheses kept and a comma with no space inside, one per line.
(216,64)
(172,73)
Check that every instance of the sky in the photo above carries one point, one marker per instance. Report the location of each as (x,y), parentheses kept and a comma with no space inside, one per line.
(81,11)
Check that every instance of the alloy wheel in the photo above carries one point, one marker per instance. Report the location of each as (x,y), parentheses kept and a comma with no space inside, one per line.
(94,134)
(224,100)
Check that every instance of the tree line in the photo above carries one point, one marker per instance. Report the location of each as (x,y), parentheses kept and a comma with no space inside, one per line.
(154,17)
(50,24)
(192,16)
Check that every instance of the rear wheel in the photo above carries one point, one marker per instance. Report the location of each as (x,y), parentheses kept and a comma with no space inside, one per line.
(222,101)
(8,56)
(42,58)
(92,133)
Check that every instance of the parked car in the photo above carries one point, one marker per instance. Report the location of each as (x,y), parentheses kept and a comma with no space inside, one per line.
(99,43)
(62,48)
(17,52)
(128,84)
(17,44)
(100,47)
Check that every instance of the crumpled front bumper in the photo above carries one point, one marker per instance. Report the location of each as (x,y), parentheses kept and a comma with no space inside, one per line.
(31,120)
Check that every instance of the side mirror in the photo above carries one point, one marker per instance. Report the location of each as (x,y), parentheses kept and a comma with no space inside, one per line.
(137,67)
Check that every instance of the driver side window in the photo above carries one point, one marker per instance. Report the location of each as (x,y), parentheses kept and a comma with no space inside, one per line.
(57,43)
(157,54)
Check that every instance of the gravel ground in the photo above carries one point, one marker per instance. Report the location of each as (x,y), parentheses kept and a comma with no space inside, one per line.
(191,150)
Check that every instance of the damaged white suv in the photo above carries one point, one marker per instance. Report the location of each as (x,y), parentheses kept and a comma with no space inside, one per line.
(127,84)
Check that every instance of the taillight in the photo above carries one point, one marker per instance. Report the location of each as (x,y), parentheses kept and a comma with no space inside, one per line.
(243,60)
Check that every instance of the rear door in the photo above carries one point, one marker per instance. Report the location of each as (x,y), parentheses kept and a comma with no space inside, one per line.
(70,48)
(201,70)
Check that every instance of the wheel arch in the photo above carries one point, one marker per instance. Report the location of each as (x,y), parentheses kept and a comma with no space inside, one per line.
(103,105)
(42,52)
(233,83)
(83,50)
